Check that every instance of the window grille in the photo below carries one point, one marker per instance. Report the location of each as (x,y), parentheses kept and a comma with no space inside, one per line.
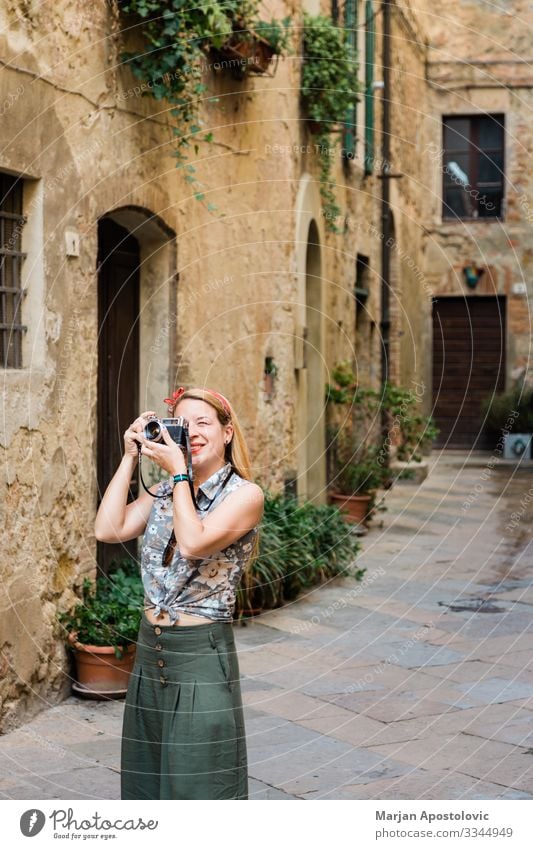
(11,258)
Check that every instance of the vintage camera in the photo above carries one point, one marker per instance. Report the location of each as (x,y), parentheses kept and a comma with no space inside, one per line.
(178,430)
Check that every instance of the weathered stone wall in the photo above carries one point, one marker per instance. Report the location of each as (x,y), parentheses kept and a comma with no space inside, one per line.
(231,291)
(410,299)
(88,144)
(482,68)
(360,195)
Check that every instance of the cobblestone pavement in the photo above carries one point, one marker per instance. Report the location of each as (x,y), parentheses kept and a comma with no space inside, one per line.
(416,683)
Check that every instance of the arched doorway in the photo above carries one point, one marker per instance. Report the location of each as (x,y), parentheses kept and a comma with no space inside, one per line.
(310,448)
(315,438)
(136,341)
(118,360)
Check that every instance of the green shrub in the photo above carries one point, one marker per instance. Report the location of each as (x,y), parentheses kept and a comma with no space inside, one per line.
(511,411)
(417,431)
(359,446)
(301,545)
(110,611)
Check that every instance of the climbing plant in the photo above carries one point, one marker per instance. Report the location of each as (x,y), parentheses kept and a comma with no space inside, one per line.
(329,88)
(174,36)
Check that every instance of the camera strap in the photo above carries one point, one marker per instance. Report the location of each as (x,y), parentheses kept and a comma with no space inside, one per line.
(189,472)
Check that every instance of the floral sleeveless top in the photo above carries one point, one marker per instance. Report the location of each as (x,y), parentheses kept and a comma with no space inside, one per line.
(205,587)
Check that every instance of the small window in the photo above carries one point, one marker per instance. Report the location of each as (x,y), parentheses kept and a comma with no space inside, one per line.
(361,288)
(473,166)
(11,259)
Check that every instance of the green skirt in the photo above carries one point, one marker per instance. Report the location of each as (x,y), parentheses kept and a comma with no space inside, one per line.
(183,733)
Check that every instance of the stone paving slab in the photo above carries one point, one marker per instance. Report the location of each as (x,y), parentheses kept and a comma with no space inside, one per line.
(308,764)
(363,690)
(427,784)
(258,790)
(346,726)
(526,704)
(88,783)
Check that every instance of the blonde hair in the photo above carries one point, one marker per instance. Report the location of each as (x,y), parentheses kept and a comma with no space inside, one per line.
(235,452)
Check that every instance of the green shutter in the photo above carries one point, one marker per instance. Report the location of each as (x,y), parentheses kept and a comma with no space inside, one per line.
(370,41)
(350,124)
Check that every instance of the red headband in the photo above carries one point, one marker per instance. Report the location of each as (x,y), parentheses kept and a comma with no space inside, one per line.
(179,392)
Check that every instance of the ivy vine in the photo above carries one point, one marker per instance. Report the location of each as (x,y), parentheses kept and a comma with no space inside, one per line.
(175,36)
(329,90)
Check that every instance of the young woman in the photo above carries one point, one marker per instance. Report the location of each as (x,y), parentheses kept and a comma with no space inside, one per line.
(183,731)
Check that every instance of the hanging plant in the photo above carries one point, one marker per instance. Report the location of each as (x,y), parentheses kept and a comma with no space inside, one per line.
(329,90)
(251,50)
(175,37)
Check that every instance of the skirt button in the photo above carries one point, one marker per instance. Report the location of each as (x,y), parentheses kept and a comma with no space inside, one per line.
(161,663)
(157,630)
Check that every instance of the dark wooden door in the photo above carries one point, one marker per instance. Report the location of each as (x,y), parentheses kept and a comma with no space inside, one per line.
(118,362)
(468,365)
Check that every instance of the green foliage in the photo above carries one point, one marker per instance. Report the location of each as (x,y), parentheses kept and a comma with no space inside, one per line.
(364,476)
(510,411)
(359,448)
(301,545)
(110,611)
(407,475)
(277,33)
(358,461)
(175,36)
(416,431)
(329,90)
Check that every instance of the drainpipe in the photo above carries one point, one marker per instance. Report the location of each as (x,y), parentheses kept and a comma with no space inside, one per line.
(385,193)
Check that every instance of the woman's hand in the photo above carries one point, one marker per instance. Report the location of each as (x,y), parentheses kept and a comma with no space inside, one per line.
(132,434)
(166,454)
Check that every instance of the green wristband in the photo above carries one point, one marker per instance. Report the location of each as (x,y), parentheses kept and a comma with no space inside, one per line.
(177,478)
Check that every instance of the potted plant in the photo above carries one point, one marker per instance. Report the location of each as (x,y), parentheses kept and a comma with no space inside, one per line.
(357,482)
(251,50)
(358,461)
(328,93)
(101,633)
(509,419)
(168,41)
(410,432)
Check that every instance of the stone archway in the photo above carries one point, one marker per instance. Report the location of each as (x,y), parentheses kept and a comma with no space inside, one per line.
(315,437)
(310,336)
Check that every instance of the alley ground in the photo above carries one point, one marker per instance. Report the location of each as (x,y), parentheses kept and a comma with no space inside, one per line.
(416,683)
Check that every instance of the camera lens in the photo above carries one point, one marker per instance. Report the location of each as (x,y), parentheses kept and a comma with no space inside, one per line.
(152,430)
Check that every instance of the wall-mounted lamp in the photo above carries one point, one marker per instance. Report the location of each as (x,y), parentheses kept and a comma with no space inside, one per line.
(472,274)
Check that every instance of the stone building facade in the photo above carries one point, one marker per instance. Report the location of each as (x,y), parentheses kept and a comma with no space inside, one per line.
(478,256)
(200,298)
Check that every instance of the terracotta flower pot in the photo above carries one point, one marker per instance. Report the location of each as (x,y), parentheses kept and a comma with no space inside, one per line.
(316,126)
(255,54)
(100,673)
(355,508)
(322,127)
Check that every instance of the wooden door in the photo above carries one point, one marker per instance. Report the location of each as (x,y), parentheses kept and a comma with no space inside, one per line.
(118,362)
(468,365)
